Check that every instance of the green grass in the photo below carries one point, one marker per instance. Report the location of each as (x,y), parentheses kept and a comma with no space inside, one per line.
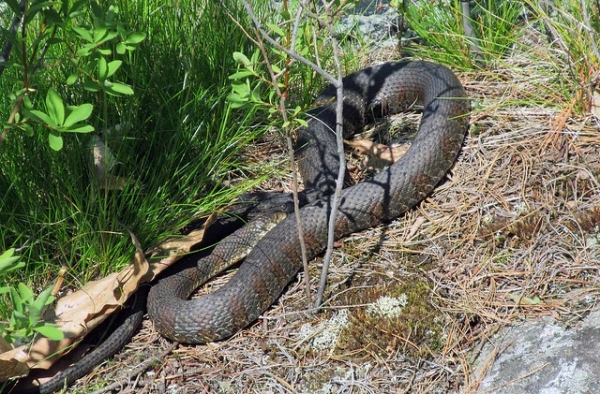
(181,141)
(439,26)
(571,27)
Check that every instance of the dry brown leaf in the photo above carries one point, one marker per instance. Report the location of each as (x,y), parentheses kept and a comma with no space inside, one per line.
(81,311)
(379,155)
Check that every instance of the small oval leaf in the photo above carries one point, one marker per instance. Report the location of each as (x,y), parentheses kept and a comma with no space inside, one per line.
(56,141)
(79,114)
(50,332)
(241,58)
(135,38)
(56,108)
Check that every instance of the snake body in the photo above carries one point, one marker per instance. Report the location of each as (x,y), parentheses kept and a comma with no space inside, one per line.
(276,259)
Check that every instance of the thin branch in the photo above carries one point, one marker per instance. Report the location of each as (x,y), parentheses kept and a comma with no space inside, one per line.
(282,110)
(337,83)
(339,133)
(288,52)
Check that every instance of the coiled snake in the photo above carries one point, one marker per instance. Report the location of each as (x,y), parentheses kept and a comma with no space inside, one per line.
(372,92)
(275,260)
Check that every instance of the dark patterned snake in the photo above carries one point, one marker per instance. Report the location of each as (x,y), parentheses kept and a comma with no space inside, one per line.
(276,258)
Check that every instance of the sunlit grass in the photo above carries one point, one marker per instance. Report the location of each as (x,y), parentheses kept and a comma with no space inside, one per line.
(178,140)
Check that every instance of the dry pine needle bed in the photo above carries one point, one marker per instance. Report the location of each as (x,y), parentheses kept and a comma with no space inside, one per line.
(512,234)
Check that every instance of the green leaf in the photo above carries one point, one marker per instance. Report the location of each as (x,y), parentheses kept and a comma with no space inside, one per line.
(241,58)
(72,79)
(25,292)
(276,29)
(120,88)
(242,89)
(121,48)
(256,93)
(9,254)
(302,122)
(56,108)
(102,69)
(85,50)
(79,129)
(27,102)
(100,32)
(83,33)
(241,74)
(113,67)
(52,16)
(55,140)
(77,8)
(79,114)
(7,266)
(43,299)
(8,260)
(35,7)
(17,303)
(50,332)
(135,38)
(238,105)
(91,86)
(27,129)
(236,98)
(40,117)
(107,37)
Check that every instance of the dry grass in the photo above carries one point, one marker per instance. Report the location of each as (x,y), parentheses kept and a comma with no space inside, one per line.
(511,235)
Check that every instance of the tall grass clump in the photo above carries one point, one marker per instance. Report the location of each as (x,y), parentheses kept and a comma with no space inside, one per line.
(170,145)
(573,31)
(441,35)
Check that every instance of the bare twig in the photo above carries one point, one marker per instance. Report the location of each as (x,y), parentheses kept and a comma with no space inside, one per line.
(337,83)
(282,110)
(289,52)
(339,133)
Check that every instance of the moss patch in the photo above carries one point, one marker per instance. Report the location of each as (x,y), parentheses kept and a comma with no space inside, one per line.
(399,319)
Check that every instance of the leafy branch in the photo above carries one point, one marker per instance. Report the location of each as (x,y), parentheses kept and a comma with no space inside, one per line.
(90,48)
(26,319)
(295,51)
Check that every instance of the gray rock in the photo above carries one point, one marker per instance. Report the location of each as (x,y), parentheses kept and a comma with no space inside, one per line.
(376,21)
(543,357)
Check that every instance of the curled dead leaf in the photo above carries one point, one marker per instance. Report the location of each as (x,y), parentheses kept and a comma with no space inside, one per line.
(81,311)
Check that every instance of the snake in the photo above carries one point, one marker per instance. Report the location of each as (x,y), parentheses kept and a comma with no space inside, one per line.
(271,246)
(275,260)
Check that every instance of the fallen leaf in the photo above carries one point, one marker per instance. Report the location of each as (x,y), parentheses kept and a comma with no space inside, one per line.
(379,155)
(81,311)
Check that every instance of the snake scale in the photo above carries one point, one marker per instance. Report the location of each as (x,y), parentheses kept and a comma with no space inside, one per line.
(274,261)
